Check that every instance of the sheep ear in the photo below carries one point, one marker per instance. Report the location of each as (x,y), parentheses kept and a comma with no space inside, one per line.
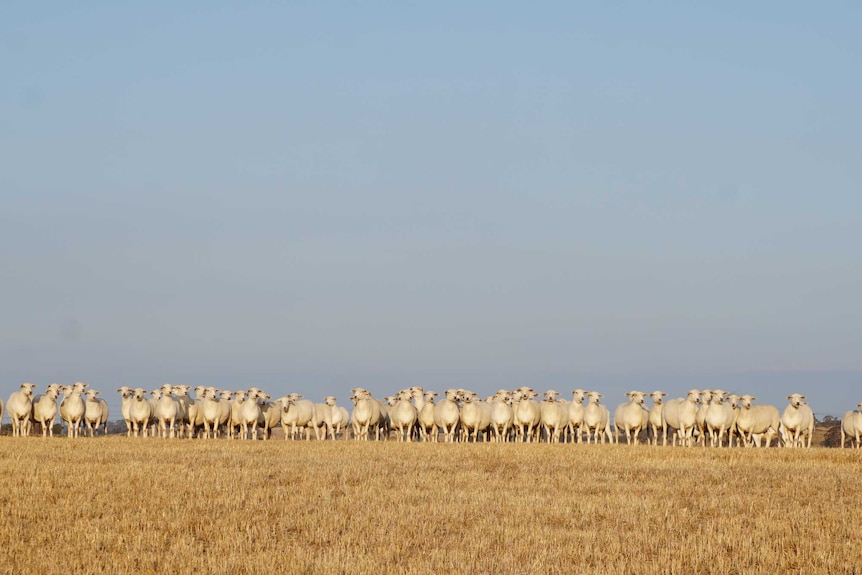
(753,399)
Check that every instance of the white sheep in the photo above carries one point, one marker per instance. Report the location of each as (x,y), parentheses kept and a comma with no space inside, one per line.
(403,415)
(447,415)
(553,416)
(337,415)
(72,407)
(184,406)
(502,415)
(126,398)
(754,422)
(597,419)
(851,426)
(19,408)
(166,411)
(576,415)
(720,418)
(527,413)
(425,417)
(475,416)
(140,412)
(629,417)
(298,413)
(239,399)
(95,413)
(797,422)
(680,414)
(655,414)
(700,429)
(44,409)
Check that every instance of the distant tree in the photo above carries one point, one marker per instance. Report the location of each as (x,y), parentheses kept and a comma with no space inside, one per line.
(833,437)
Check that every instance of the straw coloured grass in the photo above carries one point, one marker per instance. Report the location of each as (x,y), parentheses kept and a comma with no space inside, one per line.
(150,506)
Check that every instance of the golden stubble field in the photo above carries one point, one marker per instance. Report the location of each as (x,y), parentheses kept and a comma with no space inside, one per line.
(120,505)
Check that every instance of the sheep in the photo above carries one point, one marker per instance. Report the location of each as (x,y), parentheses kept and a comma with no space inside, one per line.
(368,414)
(298,413)
(337,416)
(502,415)
(475,416)
(797,422)
(655,414)
(166,411)
(447,415)
(270,415)
(756,421)
(140,412)
(576,414)
(95,413)
(700,420)
(126,398)
(629,417)
(597,419)
(680,414)
(403,415)
(425,417)
(72,407)
(239,399)
(851,425)
(184,407)
(526,413)
(720,418)
(19,408)
(153,400)
(210,412)
(224,411)
(44,409)
(553,416)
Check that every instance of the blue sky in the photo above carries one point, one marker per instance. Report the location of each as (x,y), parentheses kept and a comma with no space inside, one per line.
(312,196)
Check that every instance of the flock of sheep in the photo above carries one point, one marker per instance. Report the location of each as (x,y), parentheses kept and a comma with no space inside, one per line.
(713,418)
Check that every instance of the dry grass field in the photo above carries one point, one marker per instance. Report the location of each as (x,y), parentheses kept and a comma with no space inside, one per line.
(119,505)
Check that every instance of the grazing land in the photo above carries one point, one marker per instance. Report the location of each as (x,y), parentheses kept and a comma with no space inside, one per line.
(123,505)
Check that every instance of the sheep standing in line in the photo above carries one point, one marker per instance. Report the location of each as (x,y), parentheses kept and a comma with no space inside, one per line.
(425,417)
(19,407)
(655,414)
(680,415)
(576,415)
(402,415)
(338,416)
(447,415)
(851,426)
(44,409)
(553,416)
(754,422)
(270,415)
(126,398)
(720,419)
(629,417)
(700,429)
(166,411)
(797,422)
(502,415)
(298,413)
(597,419)
(95,413)
(527,413)
(72,407)
(184,403)
(140,412)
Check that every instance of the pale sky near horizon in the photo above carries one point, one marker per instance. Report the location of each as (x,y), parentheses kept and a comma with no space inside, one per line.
(311,196)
